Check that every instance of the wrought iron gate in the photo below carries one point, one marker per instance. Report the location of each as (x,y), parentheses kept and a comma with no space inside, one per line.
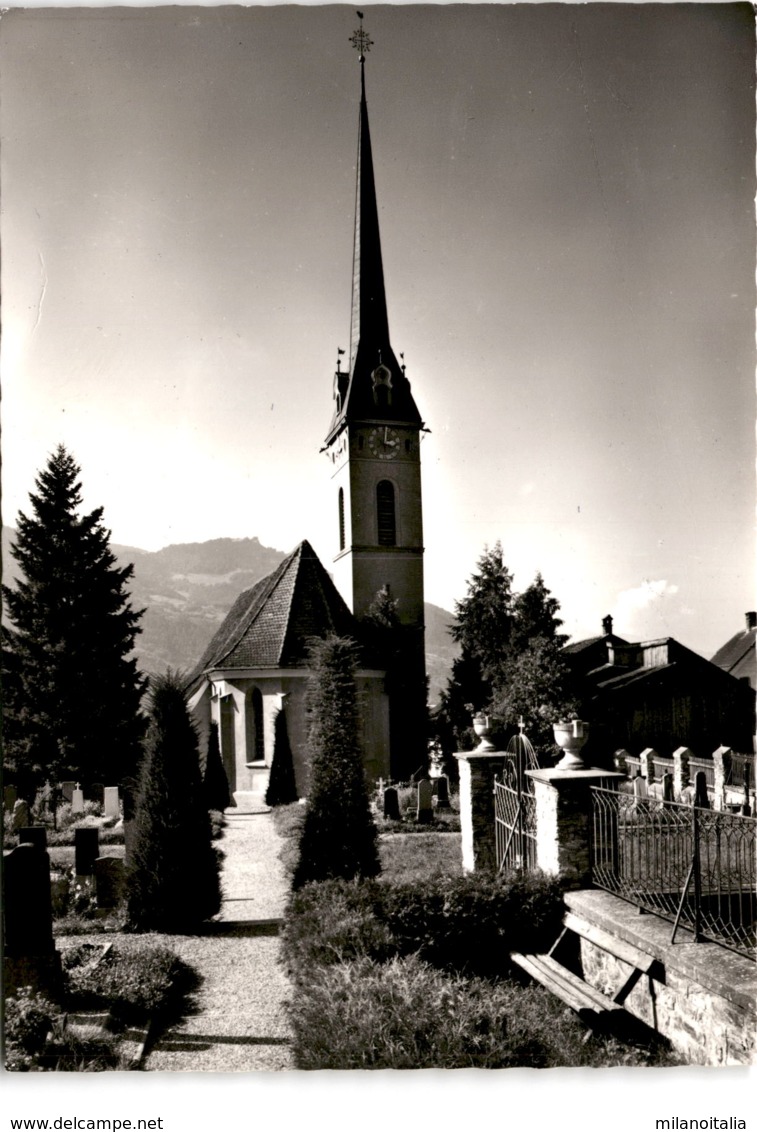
(514,816)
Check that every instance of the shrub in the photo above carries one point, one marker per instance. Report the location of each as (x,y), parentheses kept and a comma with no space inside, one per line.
(215,783)
(173,882)
(468,924)
(339,835)
(288,822)
(282,785)
(405,1015)
(134,985)
(28,1017)
(332,922)
(217,822)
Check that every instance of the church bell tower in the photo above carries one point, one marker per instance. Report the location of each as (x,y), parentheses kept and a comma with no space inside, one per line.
(373,444)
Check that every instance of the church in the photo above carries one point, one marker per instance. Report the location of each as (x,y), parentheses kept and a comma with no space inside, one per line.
(256,664)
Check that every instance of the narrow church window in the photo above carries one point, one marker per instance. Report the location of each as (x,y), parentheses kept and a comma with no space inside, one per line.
(341,518)
(385,511)
(254,727)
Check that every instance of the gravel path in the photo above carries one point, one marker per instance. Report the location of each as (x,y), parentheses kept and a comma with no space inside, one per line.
(240,1024)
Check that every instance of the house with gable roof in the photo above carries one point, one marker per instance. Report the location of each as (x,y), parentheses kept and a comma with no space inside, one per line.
(257,664)
(657,694)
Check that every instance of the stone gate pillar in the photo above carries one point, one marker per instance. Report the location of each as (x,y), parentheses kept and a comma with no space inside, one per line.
(563,806)
(477,772)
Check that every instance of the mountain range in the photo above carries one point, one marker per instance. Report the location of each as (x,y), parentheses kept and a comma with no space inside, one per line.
(187,589)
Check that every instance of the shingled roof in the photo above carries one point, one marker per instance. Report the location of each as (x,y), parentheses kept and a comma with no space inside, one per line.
(737,655)
(270,624)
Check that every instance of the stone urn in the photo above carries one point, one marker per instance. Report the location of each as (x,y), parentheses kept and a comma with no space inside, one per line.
(482,727)
(570,736)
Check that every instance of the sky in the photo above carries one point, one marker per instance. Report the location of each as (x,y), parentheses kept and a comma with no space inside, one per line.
(566,208)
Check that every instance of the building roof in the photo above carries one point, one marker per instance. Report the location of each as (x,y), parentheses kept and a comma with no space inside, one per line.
(355,391)
(738,655)
(271,624)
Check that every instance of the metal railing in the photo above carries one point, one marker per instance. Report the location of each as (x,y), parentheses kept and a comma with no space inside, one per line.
(693,866)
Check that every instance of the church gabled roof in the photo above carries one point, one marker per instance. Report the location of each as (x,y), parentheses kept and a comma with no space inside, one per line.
(359,395)
(270,624)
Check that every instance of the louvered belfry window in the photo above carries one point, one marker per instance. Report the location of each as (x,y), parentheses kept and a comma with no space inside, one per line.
(387,527)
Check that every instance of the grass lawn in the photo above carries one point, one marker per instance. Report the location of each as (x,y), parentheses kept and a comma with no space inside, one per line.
(415,856)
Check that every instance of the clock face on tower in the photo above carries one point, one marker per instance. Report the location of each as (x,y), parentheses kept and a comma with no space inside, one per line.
(384,443)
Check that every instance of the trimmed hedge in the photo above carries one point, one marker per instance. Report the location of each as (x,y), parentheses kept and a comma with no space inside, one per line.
(468,924)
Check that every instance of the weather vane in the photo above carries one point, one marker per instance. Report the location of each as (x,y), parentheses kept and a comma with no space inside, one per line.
(360,39)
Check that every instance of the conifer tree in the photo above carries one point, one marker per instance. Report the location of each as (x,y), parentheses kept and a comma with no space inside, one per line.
(282,785)
(339,836)
(72,695)
(215,782)
(173,876)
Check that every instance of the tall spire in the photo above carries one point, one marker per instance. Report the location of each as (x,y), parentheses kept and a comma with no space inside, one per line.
(372,360)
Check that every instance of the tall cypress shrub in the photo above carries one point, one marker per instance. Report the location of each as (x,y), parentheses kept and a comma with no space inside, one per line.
(339,836)
(215,782)
(173,877)
(282,785)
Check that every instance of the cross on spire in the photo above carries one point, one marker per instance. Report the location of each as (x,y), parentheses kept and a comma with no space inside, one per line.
(361,41)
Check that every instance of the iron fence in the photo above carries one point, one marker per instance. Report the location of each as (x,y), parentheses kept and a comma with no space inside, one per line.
(693,866)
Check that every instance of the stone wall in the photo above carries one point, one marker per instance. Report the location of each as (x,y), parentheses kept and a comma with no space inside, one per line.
(700,996)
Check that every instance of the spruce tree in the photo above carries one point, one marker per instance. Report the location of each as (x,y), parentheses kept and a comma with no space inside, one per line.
(72,695)
(339,836)
(173,875)
(282,785)
(215,783)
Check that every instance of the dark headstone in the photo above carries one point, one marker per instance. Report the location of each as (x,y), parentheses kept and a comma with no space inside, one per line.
(392,804)
(20,819)
(86,851)
(10,796)
(96,793)
(441,790)
(667,787)
(109,881)
(67,790)
(30,957)
(425,811)
(33,835)
(700,791)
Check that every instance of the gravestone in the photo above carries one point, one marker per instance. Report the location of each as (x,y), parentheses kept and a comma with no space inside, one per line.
(701,798)
(109,882)
(10,797)
(441,790)
(20,818)
(96,793)
(111,806)
(77,801)
(33,835)
(425,811)
(667,787)
(86,851)
(67,790)
(640,793)
(392,804)
(30,957)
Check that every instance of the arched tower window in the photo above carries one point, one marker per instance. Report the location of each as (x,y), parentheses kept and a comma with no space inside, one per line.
(254,727)
(341,519)
(385,512)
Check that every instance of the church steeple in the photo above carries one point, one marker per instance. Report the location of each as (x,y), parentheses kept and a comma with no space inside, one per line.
(375,388)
